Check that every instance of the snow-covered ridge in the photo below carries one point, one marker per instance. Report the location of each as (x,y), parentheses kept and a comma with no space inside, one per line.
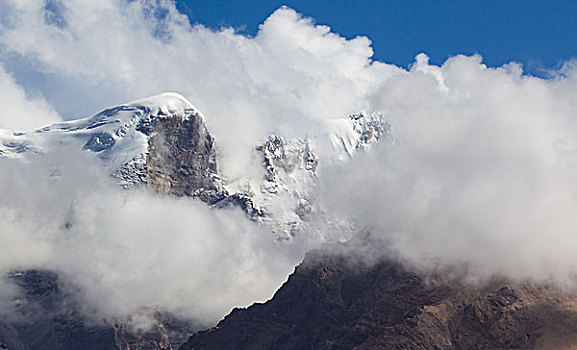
(358,132)
(126,115)
(287,194)
(132,140)
(118,134)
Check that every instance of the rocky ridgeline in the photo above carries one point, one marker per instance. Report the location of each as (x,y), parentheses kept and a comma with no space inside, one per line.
(330,302)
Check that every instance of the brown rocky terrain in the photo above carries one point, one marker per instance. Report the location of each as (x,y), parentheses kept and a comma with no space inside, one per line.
(331,303)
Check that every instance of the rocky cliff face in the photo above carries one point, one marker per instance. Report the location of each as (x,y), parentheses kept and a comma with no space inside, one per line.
(178,157)
(181,158)
(332,303)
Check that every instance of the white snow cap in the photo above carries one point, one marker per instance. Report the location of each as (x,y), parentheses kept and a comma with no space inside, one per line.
(170,103)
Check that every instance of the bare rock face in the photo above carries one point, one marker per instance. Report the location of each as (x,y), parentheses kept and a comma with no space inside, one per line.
(181,157)
(331,303)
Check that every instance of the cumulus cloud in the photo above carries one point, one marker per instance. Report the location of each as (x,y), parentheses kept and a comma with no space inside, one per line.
(482,171)
(127,250)
(286,78)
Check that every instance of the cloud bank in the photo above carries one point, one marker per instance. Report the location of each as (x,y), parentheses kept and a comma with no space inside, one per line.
(481,173)
(129,250)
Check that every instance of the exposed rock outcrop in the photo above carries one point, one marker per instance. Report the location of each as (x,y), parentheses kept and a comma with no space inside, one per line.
(181,158)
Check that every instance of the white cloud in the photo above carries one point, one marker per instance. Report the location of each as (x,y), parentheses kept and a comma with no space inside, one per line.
(482,172)
(20,111)
(130,251)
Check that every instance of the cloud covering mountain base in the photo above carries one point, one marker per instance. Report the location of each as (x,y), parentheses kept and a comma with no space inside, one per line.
(129,250)
(481,171)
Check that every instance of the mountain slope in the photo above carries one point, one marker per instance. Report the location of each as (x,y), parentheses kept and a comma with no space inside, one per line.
(331,302)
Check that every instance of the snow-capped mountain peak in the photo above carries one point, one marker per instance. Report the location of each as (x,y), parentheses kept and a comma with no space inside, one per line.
(162,142)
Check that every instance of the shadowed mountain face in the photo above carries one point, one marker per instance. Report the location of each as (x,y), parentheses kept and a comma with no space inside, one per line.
(330,303)
(48,316)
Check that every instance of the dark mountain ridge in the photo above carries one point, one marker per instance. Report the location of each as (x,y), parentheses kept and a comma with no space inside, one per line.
(333,303)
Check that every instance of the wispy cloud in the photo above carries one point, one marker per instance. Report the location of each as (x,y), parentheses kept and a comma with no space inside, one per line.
(132,251)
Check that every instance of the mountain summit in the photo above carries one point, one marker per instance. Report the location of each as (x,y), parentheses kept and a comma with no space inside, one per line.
(161,141)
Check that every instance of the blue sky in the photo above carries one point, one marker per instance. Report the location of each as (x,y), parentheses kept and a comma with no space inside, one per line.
(539,34)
